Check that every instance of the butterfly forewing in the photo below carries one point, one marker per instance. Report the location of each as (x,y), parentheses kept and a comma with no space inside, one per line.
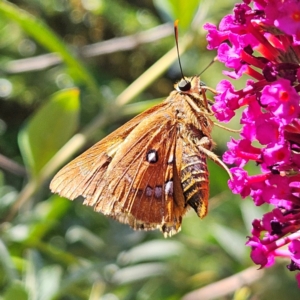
(150,170)
(83,172)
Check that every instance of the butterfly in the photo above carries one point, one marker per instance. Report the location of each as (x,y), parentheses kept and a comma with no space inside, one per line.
(152,169)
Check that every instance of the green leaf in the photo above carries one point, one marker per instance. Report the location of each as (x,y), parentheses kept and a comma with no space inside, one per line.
(15,291)
(183,11)
(49,129)
(49,281)
(6,263)
(30,276)
(139,272)
(231,241)
(38,30)
(251,212)
(218,178)
(138,107)
(151,250)
(50,212)
(89,239)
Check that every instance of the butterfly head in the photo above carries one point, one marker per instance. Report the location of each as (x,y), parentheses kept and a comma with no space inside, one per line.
(190,85)
(184,85)
(195,93)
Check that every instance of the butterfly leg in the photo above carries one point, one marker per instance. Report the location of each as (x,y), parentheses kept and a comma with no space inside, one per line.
(204,145)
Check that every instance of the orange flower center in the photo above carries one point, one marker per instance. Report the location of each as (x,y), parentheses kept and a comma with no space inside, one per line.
(296,16)
(292,109)
(284,96)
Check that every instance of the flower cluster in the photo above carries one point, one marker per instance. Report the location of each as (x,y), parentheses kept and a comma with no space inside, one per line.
(262,39)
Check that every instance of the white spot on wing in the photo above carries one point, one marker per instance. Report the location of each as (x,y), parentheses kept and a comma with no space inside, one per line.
(158,191)
(169,188)
(171,159)
(149,191)
(151,156)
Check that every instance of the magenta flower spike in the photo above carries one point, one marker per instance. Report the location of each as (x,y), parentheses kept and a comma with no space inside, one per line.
(261,39)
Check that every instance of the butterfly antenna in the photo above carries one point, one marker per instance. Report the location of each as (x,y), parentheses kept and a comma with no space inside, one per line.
(177,47)
(204,87)
(215,59)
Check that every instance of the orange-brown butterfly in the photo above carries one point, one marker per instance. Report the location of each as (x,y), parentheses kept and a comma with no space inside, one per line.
(151,170)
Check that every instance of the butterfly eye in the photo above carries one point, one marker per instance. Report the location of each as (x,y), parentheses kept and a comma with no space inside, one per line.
(184,85)
(202,84)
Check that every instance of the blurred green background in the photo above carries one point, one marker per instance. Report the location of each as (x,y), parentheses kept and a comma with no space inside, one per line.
(70,73)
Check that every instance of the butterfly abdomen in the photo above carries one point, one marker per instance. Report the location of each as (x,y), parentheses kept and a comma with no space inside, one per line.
(195,182)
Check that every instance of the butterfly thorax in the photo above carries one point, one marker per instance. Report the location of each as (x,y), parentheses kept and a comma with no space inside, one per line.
(191,111)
